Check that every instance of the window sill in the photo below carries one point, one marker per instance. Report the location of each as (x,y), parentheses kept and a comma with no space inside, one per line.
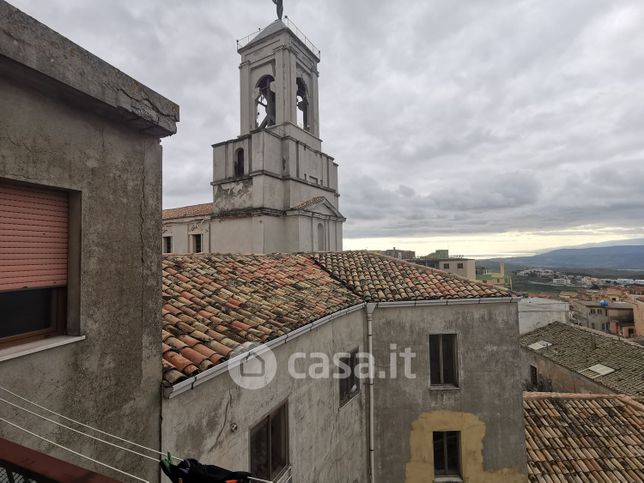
(37,346)
(448,479)
(445,388)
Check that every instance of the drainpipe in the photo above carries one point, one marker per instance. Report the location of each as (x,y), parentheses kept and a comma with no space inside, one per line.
(372,371)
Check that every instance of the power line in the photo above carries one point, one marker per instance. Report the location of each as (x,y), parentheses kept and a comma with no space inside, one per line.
(77,431)
(86,426)
(73,452)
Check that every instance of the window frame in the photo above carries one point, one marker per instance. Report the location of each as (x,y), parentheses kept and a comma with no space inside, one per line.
(456,369)
(445,473)
(534,376)
(193,243)
(346,383)
(57,319)
(65,300)
(266,420)
(169,238)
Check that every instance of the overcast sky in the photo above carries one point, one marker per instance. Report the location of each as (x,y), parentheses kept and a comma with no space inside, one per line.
(482,126)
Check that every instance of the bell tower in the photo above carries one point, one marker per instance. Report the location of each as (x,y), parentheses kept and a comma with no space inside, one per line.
(274,189)
(279,79)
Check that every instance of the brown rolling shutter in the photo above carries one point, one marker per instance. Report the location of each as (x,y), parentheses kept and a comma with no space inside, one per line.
(33,237)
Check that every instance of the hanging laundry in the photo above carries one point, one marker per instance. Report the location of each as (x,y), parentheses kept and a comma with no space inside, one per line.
(191,471)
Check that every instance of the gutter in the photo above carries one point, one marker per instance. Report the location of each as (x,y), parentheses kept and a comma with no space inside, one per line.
(427,303)
(191,383)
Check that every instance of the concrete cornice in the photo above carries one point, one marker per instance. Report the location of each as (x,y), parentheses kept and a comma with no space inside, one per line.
(40,57)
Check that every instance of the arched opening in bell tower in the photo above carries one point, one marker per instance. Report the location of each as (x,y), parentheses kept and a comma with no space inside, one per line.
(302,100)
(265,103)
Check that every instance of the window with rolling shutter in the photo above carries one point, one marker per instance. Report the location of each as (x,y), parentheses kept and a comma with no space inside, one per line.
(34,234)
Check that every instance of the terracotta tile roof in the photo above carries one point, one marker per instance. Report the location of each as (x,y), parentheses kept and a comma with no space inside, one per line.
(577,348)
(214,304)
(378,278)
(582,437)
(203,209)
(308,203)
(218,305)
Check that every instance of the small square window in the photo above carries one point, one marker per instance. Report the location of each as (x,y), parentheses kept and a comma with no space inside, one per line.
(447,461)
(459,265)
(197,243)
(446,266)
(349,383)
(167,244)
(443,367)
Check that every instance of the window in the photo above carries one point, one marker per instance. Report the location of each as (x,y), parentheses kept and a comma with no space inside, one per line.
(239,163)
(197,243)
(35,235)
(349,385)
(446,266)
(167,244)
(534,377)
(459,265)
(269,445)
(265,103)
(447,461)
(442,360)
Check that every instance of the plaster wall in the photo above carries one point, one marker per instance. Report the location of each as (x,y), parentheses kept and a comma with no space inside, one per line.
(486,407)
(638,316)
(327,442)
(557,378)
(111,379)
(536,312)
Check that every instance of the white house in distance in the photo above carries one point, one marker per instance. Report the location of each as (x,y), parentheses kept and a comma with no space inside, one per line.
(274,190)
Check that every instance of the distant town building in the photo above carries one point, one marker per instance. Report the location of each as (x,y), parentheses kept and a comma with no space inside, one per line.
(440,259)
(498,279)
(400,254)
(583,437)
(613,317)
(567,358)
(535,312)
(274,190)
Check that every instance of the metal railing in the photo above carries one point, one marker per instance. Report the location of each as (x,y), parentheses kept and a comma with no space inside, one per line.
(244,41)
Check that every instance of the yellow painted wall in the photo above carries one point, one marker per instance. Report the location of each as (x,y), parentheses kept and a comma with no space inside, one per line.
(420,468)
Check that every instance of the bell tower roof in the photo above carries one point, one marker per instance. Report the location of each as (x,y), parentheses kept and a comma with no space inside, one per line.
(274,28)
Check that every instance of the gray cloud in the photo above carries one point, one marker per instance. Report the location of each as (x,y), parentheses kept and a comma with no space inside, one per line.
(445,117)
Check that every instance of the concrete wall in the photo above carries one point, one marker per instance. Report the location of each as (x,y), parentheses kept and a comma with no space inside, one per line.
(327,442)
(486,407)
(536,312)
(112,376)
(556,378)
(74,122)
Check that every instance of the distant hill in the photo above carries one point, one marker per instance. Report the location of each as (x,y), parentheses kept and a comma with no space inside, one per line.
(623,257)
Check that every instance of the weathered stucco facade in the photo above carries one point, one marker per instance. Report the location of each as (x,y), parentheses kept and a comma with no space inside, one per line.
(274,190)
(327,440)
(70,121)
(485,407)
